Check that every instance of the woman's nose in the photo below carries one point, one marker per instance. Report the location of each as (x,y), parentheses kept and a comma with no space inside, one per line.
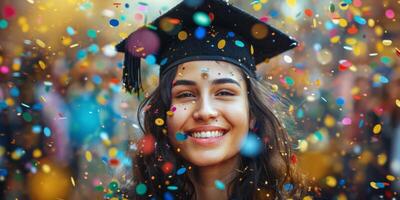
(205,110)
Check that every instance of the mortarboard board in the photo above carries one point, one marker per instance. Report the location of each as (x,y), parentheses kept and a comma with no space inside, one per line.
(213,30)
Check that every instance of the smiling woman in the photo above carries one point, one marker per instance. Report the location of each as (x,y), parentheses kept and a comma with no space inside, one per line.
(212,128)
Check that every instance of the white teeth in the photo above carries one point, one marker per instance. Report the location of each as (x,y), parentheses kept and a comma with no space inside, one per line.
(207,134)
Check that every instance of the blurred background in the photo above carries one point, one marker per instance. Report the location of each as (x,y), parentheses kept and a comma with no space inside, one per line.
(67,128)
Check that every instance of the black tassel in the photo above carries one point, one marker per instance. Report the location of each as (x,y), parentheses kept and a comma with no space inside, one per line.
(131,73)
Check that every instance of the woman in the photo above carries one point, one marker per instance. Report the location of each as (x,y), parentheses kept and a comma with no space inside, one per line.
(212,129)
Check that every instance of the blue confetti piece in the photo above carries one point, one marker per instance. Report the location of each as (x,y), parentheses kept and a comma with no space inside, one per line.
(91,33)
(288,187)
(231,34)
(114,22)
(47,131)
(181,171)
(251,146)
(93,48)
(14,92)
(168,196)
(340,101)
(239,43)
(300,113)
(172,187)
(360,20)
(150,59)
(180,136)
(219,185)
(3,24)
(380,185)
(274,13)
(361,123)
(81,54)
(3,172)
(164,61)
(383,79)
(70,31)
(96,79)
(200,33)
(36,129)
(126,5)
(342,182)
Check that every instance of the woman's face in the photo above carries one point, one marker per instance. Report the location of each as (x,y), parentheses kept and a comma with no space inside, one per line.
(212,110)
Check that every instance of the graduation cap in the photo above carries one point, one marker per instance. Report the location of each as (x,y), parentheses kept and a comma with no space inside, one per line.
(212,30)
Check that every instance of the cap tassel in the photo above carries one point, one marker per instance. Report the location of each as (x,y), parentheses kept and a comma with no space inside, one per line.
(131,74)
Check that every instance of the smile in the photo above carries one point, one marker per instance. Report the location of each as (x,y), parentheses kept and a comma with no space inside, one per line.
(207,134)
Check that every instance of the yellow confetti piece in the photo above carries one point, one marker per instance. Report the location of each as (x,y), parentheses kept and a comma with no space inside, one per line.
(329,121)
(40,43)
(291,3)
(182,35)
(291,108)
(343,23)
(373,185)
(10,102)
(170,113)
(257,6)
(42,65)
(1,60)
(382,158)
(398,103)
(66,41)
(112,152)
(88,156)
(46,168)
(331,181)
(264,1)
(159,122)
(221,44)
(351,41)
(72,181)
(390,177)
(251,50)
(387,42)
(307,198)
(274,88)
(123,35)
(371,23)
(37,153)
(335,39)
(377,129)
(30,1)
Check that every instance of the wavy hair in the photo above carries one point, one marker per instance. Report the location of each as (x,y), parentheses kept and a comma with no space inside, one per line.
(272,174)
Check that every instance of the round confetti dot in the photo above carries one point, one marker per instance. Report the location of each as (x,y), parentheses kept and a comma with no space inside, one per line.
(113,186)
(27,117)
(141,189)
(389,13)
(340,101)
(288,187)
(398,103)
(182,35)
(181,171)
(287,59)
(289,80)
(4,70)
(377,129)
(239,43)
(330,181)
(200,33)
(47,131)
(159,122)
(114,22)
(221,44)
(259,31)
(251,145)
(257,6)
(37,153)
(201,19)
(91,33)
(308,12)
(167,167)
(346,121)
(112,152)
(219,185)
(70,30)
(150,59)
(3,24)
(88,156)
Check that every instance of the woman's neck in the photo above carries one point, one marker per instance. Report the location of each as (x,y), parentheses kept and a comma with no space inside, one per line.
(204,178)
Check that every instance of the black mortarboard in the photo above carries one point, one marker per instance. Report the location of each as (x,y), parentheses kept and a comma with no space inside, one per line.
(214,30)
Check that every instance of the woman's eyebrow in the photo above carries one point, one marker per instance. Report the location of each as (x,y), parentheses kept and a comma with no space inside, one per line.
(214,82)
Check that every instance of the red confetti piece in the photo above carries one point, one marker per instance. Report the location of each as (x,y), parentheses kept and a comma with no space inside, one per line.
(8,11)
(344,65)
(146,144)
(308,12)
(264,19)
(352,30)
(398,52)
(167,167)
(114,162)
(293,159)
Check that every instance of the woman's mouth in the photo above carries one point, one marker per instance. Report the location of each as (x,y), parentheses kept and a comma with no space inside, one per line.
(207,138)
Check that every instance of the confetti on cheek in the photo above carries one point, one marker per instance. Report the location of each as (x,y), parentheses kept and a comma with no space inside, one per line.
(114,22)
(219,185)
(180,136)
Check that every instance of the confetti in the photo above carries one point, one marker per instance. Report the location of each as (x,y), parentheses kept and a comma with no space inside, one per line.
(159,122)
(88,156)
(219,185)
(251,145)
(201,19)
(73,181)
(377,129)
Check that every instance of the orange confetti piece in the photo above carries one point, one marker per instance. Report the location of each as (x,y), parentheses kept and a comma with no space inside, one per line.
(308,12)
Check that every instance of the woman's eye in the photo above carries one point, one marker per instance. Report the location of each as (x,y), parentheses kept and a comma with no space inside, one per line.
(225,93)
(184,95)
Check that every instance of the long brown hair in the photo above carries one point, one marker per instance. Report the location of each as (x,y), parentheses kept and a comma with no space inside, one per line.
(271,174)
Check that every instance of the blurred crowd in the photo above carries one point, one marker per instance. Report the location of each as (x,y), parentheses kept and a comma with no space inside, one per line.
(68,129)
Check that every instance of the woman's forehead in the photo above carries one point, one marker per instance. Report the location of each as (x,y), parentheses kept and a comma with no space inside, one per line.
(209,69)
